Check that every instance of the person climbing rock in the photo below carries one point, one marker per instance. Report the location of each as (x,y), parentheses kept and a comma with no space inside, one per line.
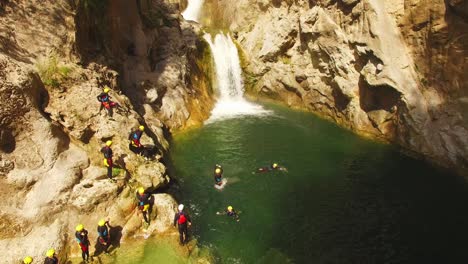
(106,102)
(28,260)
(272,167)
(81,236)
(144,202)
(183,221)
(134,138)
(107,152)
(218,174)
(230,212)
(103,234)
(50,257)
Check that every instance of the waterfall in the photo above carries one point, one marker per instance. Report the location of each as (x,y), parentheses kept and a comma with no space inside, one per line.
(193,10)
(231,102)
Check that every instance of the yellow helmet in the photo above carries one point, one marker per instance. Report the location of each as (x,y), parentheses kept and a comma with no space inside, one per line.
(218,170)
(141,190)
(229,208)
(106,89)
(50,253)
(108,143)
(102,222)
(142,128)
(275,165)
(79,228)
(27,260)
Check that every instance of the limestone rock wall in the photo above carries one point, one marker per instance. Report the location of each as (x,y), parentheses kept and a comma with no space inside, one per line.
(55,58)
(394,70)
(154,50)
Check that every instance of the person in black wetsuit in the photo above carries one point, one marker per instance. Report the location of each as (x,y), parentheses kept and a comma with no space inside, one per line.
(230,212)
(50,257)
(103,234)
(218,174)
(134,138)
(144,202)
(107,152)
(272,167)
(81,236)
(183,221)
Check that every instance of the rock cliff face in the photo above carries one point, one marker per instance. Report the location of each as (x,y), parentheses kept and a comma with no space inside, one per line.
(55,57)
(154,50)
(395,70)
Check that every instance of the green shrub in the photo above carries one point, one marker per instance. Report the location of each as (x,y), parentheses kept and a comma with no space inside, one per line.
(52,72)
(116,172)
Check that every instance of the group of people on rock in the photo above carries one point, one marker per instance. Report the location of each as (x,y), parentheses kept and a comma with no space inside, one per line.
(51,258)
(134,137)
(81,236)
(103,228)
(104,239)
(144,198)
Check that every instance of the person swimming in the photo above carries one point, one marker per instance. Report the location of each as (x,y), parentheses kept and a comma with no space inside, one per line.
(230,212)
(218,174)
(272,167)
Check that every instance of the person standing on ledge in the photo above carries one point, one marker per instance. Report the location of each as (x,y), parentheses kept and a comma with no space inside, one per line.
(183,221)
(107,152)
(103,233)
(106,102)
(81,236)
(50,257)
(272,167)
(144,201)
(218,174)
(134,138)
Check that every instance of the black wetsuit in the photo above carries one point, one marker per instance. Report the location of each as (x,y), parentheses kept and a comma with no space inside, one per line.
(270,168)
(231,213)
(218,176)
(104,237)
(144,199)
(51,260)
(182,219)
(82,238)
(107,151)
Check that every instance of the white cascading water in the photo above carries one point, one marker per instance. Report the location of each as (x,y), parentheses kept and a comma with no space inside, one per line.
(193,10)
(231,102)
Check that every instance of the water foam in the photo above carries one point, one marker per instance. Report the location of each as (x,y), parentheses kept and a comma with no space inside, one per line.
(231,102)
(192,12)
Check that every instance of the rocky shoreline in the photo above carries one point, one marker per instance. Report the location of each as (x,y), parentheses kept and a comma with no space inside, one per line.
(56,58)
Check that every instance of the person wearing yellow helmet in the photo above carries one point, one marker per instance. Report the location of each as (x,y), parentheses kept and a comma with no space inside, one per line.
(230,212)
(144,203)
(106,102)
(273,166)
(81,236)
(218,174)
(134,137)
(108,154)
(50,257)
(103,234)
(28,260)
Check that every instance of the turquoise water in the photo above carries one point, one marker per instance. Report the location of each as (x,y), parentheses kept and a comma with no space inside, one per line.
(344,199)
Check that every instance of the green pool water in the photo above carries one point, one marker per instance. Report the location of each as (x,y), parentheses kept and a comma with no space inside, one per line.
(344,199)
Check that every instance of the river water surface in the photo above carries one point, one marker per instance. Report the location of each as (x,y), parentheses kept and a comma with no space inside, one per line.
(344,199)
